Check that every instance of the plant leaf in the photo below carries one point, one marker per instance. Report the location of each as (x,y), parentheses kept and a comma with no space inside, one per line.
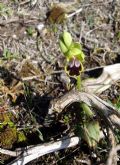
(92,133)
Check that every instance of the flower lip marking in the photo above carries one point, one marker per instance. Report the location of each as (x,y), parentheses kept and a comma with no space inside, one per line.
(74,67)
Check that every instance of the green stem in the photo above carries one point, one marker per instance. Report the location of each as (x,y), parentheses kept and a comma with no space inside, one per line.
(79,82)
(84,106)
(87,110)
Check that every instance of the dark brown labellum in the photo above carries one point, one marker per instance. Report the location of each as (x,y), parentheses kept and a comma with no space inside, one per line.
(74,67)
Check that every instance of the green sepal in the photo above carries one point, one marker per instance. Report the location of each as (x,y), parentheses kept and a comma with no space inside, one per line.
(81,56)
(63,48)
(76,52)
(67,38)
(77,45)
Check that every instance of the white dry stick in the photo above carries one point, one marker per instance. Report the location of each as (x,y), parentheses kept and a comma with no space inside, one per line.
(74,13)
(40,150)
(8,152)
(33,152)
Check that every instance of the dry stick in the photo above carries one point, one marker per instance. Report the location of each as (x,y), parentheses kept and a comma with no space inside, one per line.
(25,2)
(8,152)
(38,79)
(74,13)
(18,20)
(94,29)
(40,150)
(109,76)
(79,10)
(112,153)
(88,162)
(112,142)
(3,23)
(32,152)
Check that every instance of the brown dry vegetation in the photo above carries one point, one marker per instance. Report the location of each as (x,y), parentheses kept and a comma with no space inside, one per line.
(31,65)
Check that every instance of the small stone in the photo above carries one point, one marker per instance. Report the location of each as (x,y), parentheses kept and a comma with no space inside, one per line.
(14,36)
(40,27)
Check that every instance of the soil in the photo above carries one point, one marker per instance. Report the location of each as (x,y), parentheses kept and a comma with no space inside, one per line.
(32,67)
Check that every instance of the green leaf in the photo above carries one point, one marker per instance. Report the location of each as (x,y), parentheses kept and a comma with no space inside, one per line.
(63,48)
(67,39)
(92,133)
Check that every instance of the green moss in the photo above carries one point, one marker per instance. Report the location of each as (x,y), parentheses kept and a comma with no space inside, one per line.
(8,137)
(8,131)
(6,119)
(21,137)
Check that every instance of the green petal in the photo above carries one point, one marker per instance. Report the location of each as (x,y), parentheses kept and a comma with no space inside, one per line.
(63,47)
(67,39)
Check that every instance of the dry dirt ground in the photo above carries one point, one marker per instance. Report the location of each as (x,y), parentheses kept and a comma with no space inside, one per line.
(31,66)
